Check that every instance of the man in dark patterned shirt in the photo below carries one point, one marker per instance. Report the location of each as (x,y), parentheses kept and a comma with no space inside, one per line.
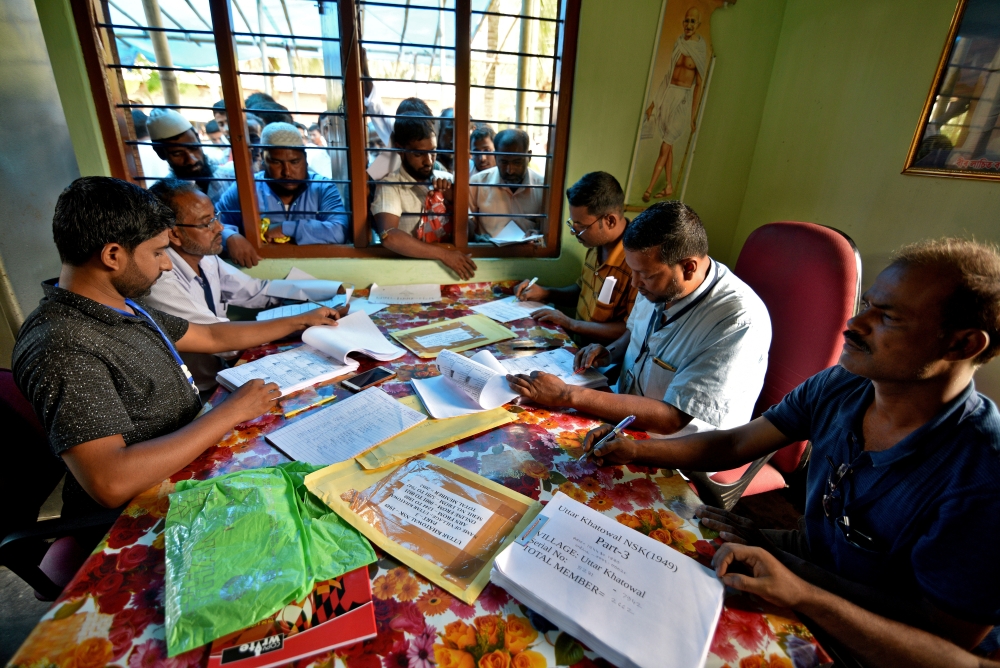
(103,371)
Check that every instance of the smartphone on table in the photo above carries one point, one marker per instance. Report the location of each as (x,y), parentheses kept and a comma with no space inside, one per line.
(369,378)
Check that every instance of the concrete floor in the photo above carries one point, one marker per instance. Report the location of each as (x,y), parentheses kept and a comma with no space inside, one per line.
(19,612)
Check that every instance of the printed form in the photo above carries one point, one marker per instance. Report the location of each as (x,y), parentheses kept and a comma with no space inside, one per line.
(441,513)
(405,294)
(505,310)
(346,429)
(464,386)
(292,370)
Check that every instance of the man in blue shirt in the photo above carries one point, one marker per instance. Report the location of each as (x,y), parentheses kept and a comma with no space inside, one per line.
(903,488)
(302,205)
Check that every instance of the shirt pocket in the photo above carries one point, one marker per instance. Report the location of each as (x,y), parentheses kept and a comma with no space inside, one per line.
(657,380)
(602,312)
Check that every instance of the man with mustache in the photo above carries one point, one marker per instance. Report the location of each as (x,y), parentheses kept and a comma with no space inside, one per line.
(695,348)
(903,486)
(102,368)
(510,190)
(201,287)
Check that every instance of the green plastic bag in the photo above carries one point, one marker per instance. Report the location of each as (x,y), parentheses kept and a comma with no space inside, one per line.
(242,546)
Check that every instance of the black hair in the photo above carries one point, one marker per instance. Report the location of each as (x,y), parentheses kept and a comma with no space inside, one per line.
(219,106)
(314,128)
(671,226)
(95,211)
(298,125)
(512,136)
(254,118)
(212,127)
(599,192)
(139,119)
(167,190)
(414,105)
(482,132)
(268,109)
(408,129)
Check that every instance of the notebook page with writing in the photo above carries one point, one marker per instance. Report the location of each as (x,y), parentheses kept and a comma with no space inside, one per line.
(505,310)
(353,333)
(346,429)
(558,362)
(464,386)
(292,370)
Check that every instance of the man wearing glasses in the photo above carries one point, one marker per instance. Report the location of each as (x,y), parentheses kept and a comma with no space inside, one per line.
(201,287)
(597,220)
(903,486)
(694,351)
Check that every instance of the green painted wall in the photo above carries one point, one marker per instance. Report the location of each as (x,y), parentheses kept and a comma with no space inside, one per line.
(848,84)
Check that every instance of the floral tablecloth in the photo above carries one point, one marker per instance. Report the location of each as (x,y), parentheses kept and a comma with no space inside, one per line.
(112,611)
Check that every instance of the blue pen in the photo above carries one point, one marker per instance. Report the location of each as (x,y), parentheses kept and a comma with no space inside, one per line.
(614,433)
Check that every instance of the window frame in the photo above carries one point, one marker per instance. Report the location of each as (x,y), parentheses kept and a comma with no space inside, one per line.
(115,121)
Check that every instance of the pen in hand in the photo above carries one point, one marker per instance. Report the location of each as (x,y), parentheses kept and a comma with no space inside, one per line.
(520,294)
(614,433)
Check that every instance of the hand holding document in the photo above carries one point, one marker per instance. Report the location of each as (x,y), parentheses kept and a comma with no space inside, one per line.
(360,304)
(346,429)
(505,310)
(513,234)
(405,294)
(292,370)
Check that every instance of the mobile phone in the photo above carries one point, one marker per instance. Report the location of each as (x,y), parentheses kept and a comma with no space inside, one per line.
(368,379)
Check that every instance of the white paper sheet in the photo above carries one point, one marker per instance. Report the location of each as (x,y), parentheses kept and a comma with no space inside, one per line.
(507,309)
(558,362)
(362,304)
(296,309)
(305,289)
(292,370)
(346,429)
(296,274)
(405,294)
(513,234)
(633,600)
(446,515)
(353,333)
(445,338)
(464,386)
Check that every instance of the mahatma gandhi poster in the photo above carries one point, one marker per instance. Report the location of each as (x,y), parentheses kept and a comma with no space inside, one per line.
(674,96)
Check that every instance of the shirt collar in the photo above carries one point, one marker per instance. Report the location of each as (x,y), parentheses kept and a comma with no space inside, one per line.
(181,267)
(530,179)
(710,275)
(84,305)
(616,257)
(952,414)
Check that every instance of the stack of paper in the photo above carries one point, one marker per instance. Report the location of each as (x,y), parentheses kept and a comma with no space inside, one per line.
(480,383)
(353,333)
(405,294)
(292,370)
(630,598)
(513,234)
(505,310)
(359,304)
(346,429)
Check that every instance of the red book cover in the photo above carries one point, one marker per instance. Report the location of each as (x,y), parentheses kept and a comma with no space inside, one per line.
(338,612)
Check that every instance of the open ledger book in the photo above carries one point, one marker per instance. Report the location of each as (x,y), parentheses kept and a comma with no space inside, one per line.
(324,356)
(470,385)
(630,598)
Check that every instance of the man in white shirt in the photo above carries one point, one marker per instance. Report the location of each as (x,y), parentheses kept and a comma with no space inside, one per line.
(201,287)
(403,221)
(509,189)
(696,343)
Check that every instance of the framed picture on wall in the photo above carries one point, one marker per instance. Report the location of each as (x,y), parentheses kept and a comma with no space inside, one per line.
(959,130)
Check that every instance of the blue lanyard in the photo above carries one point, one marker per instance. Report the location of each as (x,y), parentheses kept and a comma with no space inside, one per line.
(166,339)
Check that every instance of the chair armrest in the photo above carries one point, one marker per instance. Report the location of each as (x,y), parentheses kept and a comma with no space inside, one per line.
(721,495)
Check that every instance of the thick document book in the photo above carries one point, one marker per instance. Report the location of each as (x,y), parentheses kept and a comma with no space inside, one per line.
(336,613)
(633,600)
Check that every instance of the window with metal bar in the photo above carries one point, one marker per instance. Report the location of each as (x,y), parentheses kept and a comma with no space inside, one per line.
(286,114)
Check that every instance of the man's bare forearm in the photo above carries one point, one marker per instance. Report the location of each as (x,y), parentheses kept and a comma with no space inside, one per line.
(241,335)
(598,331)
(408,246)
(882,642)
(651,415)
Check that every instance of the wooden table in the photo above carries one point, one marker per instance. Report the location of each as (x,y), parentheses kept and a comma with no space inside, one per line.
(112,611)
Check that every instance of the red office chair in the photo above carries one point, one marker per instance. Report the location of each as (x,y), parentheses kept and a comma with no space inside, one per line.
(809,277)
(24,540)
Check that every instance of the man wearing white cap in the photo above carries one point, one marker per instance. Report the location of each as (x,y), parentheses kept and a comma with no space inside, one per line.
(299,204)
(175,141)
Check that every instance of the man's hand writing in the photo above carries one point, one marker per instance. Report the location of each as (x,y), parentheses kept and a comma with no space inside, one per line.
(555,317)
(591,355)
(768,578)
(250,400)
(460,263)
(619,450)
(535,293)
(542,388)
(320,316)
(241,251)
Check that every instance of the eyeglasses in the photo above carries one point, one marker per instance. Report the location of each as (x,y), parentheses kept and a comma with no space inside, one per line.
(851,534)
(202,226)
(572,226)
